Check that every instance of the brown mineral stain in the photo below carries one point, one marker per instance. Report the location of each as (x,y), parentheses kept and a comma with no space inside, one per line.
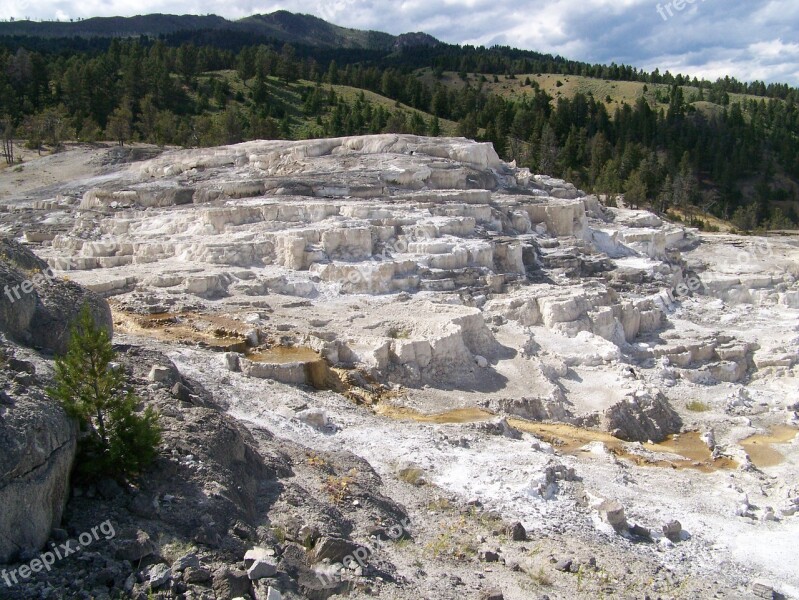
(684,451)
(759,446)
(210,331)
(458,415)
(281,355)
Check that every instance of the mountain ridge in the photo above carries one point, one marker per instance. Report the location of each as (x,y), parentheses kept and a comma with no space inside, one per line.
(281,25)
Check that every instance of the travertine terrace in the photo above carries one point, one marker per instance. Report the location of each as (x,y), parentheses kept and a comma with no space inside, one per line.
(425,276)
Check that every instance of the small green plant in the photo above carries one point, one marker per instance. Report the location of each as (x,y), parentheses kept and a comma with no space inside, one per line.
(279,533)
(115,441)
(314,460)
(697,406)
(412,476)
(452,541)
(403,542)
(440,504)
(398,333)
(340,488)
(176,548)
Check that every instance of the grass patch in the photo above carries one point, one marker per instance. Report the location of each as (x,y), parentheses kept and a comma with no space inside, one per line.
(697,406)
(412,475)
(452,542)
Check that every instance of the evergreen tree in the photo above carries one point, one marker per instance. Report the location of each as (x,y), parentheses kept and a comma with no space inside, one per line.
(116,440)
(120,124)
(635,190)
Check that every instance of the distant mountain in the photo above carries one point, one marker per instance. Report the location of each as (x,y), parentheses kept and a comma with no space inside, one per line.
(150,25)
(280,25)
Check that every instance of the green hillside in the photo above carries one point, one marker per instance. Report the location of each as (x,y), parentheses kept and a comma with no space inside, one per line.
(724,148)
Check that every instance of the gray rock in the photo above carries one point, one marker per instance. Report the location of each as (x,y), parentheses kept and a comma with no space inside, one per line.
(639,531)
(492,594)
(332,548)
(517,532)
(37,448)
(158,576)
(136,548)
(144,506)
(196,575)
(672,530)
(273,594)
(158,374)
(257,553)
(649,417)
(309,534)
(43,306)
(228,583)
(108,489)
(612,512)
(763,590)
(563,565)
(181,392)
(488,556)
(262,567)
(315,417)
(186,561)
(231,361)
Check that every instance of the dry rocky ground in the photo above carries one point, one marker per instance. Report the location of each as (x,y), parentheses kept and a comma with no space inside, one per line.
(457,378)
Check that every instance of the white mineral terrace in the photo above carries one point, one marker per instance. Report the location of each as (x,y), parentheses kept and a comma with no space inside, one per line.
(432,266)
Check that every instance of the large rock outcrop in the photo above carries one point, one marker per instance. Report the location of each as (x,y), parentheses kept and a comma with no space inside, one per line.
(37,439)
(38,307)
(37,449)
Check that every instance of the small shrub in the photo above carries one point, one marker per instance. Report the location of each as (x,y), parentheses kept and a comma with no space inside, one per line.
(412,476)
(340,488)
(697,406)
(279,533)
(314,460)
(398,333)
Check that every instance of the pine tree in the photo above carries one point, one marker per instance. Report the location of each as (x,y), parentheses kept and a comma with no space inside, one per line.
(116,440)
(120,124)
(635,190)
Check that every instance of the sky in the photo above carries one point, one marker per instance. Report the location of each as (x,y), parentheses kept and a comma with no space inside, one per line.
(746,39)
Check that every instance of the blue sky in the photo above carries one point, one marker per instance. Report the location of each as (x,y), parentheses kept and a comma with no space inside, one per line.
(747,39)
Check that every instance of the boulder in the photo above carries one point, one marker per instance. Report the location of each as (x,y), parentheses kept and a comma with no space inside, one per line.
(262,567)
(612,513)
(517,532)
(158,576)
(672,530)
(137,547)
(38,308)
(333,549)
(37,448)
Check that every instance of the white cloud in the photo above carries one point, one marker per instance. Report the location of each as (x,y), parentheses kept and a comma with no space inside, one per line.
(745,39)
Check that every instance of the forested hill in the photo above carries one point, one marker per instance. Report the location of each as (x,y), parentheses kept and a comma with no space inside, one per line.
(695,148)
(280,25)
